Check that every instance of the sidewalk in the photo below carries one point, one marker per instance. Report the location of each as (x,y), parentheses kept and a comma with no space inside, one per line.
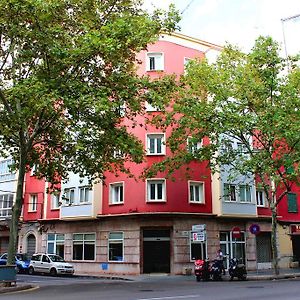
(252,275)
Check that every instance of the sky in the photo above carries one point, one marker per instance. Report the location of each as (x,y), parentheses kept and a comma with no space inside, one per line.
(238,22)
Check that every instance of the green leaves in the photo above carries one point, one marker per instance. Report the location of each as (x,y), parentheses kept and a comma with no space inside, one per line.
(67,77)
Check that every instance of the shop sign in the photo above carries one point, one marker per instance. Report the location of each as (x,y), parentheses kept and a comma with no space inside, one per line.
(199,227)
(295,228)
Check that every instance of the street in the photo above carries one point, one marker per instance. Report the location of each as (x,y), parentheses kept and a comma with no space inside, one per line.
(154,288)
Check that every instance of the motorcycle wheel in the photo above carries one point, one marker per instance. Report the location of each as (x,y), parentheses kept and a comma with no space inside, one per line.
(198,278)
(231,278)
(243,277)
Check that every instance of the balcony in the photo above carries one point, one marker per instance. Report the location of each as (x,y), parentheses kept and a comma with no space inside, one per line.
(77,211)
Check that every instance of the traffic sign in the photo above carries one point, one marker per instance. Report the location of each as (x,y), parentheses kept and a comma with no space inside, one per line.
(198,236)
(236,232)
(254,229)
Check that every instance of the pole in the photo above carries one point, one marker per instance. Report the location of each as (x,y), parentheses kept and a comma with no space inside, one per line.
(284,39)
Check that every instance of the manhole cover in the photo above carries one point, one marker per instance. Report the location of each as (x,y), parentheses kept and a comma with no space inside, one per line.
(255,287)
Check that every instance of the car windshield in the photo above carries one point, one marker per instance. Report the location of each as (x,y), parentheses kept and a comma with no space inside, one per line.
(56,258)
(22,256)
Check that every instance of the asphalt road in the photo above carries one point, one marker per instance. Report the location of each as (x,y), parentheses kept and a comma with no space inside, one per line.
(154,288)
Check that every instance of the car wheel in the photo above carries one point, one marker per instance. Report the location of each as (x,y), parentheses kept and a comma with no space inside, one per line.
(53,272)
(31,271)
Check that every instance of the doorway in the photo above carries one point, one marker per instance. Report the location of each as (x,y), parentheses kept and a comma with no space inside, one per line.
(31,243)
(263,250)
(156,251)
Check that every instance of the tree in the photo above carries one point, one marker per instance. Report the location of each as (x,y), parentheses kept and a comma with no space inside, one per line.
(67,76)
(249,98)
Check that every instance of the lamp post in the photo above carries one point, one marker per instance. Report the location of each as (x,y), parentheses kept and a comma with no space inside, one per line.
(283,33)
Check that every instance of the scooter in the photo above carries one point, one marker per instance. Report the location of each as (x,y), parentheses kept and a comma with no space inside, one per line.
(202,269)
(217,269)
(237,269)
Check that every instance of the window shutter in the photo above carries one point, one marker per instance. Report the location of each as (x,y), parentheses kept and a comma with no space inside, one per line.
(292,202)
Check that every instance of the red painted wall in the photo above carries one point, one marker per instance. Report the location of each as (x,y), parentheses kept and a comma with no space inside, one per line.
(33,186)
(176,191)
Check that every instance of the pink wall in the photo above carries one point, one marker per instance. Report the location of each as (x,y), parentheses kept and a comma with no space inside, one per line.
(173,58)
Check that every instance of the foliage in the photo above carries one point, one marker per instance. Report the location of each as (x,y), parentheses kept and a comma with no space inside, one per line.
(246,98)
(67,77)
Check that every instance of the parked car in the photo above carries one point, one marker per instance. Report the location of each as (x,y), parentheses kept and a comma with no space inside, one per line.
(21,260)
(49,263)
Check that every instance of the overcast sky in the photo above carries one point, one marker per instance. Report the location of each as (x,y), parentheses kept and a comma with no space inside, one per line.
(238,22)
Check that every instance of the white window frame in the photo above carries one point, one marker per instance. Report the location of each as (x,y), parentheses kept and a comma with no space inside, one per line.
(55,200)
(156,181)
(83,242)
(33,202)
(112,241)
(245,187)
(156,136)
(192,146)
(5,173)
(56,241)
(203,246)
(67,194)
(150,108)
(158,61)
(261,200)
(228,198)
(193,185)
(6,203)
(87,193)
(186,60)
(115,197)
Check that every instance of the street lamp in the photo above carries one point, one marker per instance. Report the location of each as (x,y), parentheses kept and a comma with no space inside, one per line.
(284,40)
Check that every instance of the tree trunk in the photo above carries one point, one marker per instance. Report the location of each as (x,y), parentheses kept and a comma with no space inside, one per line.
(16,213)
(274,240)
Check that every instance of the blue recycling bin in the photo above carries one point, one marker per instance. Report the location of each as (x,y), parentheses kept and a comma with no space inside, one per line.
(8,273)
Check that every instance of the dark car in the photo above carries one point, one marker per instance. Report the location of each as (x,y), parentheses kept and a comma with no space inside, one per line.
(21,259)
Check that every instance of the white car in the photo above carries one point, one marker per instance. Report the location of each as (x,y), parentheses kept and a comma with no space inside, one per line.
(49,263)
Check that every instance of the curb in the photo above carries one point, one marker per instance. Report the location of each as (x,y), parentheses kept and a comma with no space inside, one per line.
(12,289)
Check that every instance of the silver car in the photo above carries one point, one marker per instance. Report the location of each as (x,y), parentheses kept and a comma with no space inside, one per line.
(49,263)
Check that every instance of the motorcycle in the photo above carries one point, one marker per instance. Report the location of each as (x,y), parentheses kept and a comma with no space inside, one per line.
(217,269)
(237,269)
(202,269)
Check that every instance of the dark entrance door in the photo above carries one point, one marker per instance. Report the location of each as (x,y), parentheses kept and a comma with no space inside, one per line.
(296,247)
(156,251)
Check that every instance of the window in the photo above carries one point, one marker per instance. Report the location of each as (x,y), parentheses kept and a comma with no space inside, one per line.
(242,149)
(156,190)
(260,198)
(155,144)
(55,200)
(5,173)
(84,246)
(55,244)
(116,193)
(197,249)
(85,194)
(155,62)
(193,145)
(229,192)
(33,170)
(196,190)
(32,203)
(292,203)
(6,203)
(149,107)
(186,60)
(245,193)
(118,154)
(115,246)
(70,196)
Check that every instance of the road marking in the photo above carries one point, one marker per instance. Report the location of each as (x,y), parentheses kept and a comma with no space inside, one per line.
(171,297)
